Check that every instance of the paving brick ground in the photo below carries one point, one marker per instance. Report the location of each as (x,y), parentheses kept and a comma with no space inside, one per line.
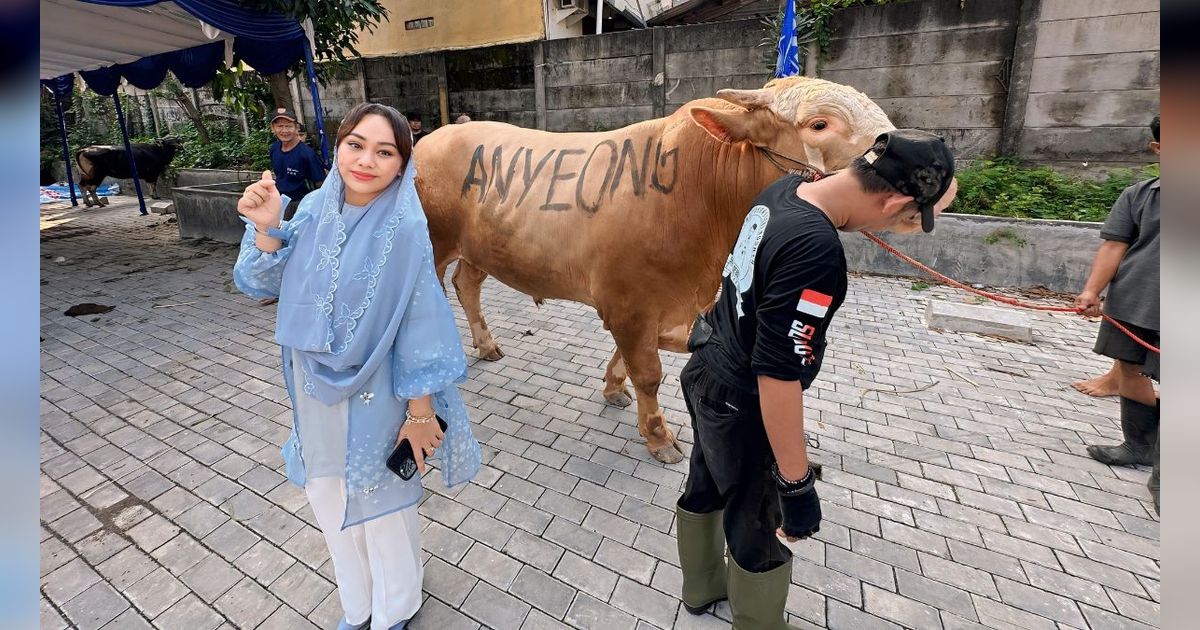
(956,494)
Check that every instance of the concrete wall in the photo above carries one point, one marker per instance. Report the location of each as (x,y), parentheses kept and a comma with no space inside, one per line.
(494,83)
(1094,83)
(210,211)
(931,65)
(343,91)
(589,83)
(599,82)
(992,251)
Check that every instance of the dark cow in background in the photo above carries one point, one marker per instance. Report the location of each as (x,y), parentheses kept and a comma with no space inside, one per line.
(97,162)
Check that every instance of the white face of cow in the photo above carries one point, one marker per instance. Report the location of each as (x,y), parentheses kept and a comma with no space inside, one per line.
(819,122)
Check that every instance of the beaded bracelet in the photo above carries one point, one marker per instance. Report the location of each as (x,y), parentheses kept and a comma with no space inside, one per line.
(787,487)
(408,417)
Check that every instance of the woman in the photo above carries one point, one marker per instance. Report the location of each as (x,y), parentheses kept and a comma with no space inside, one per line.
(370,355)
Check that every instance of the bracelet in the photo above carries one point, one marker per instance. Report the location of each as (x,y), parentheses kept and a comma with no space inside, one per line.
(789,488)
(408,417)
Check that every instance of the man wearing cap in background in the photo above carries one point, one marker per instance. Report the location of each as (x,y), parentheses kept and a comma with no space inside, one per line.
(298,170)
(760,347)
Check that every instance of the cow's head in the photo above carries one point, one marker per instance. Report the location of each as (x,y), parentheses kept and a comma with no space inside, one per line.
(822,123)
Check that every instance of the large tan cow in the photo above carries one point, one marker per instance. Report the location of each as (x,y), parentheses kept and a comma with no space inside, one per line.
(636,222)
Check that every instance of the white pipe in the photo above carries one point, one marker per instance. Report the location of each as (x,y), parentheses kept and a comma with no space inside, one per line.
(599,16)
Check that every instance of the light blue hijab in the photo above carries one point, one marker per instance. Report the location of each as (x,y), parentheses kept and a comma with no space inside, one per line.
(332,306)
(360,288)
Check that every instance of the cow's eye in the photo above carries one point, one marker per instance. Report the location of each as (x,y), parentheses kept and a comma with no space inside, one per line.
(820,125)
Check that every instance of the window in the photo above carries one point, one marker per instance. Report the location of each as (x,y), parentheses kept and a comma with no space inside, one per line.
(412,25)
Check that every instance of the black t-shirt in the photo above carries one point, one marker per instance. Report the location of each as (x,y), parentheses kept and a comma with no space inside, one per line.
(782,284)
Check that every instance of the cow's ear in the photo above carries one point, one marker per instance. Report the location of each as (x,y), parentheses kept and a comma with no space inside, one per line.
(750,99)
(724,125)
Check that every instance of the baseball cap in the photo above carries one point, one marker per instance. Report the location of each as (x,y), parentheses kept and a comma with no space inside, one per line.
(916,163)
(282,112)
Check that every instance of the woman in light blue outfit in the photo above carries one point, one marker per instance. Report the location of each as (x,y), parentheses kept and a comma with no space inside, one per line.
(370,354)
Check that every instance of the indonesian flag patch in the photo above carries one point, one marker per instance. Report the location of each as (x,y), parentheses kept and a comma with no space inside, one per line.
(814,303)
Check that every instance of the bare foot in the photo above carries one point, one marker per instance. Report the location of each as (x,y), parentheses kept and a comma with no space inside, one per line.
(267,301)
(1100,386)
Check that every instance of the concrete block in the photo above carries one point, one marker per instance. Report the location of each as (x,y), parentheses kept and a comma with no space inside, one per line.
(162,207)
(1007,323)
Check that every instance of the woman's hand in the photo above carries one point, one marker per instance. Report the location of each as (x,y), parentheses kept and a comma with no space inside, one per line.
(424,437)
(261,203)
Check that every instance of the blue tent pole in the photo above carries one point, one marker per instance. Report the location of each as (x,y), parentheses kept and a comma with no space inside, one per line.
(137,185)
(62,134)
(316,97)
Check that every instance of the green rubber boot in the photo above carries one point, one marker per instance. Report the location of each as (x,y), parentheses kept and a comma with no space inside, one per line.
(1139,426)
(702,558)
(757,600)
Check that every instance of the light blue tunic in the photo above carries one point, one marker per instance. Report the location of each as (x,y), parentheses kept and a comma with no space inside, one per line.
(353,437)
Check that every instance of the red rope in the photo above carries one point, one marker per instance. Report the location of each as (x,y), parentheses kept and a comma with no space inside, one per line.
(996,296)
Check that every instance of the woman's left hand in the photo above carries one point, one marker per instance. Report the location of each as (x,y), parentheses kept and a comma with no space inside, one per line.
(424,438)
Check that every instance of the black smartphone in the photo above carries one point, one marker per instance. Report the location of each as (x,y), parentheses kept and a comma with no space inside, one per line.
(402,461)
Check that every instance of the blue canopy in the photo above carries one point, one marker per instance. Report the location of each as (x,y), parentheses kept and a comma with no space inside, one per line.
(141,40)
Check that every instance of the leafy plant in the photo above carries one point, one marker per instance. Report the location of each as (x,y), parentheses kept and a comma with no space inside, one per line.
(1005,234)
(919,285)
(1002,187)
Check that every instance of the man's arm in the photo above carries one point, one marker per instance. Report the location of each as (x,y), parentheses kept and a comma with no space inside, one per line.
(782,405)
(1104,269)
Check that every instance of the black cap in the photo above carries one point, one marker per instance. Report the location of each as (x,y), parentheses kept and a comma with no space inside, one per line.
(916,163)
(282,112)
(413,116)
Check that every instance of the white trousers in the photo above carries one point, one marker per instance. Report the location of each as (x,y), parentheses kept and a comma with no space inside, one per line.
(377,564)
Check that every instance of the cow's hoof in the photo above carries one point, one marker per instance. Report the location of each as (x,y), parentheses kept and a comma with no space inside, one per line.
(495,355)
(618,398)
(668,454)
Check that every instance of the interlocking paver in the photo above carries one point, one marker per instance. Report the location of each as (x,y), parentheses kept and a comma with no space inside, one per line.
(961,506)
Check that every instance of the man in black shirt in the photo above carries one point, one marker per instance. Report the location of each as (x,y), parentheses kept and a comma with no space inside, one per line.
(756,352)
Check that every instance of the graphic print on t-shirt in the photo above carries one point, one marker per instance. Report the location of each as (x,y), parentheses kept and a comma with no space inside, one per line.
(739,268)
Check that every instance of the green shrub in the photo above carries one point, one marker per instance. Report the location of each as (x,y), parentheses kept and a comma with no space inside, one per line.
(1001,187)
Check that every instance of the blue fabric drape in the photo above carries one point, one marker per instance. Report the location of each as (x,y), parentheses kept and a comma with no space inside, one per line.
(103,81)
(229,16)
(146,73)
(195,67)
(268,57)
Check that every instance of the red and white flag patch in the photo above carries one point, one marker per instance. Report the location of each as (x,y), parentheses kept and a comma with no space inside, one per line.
(814,303)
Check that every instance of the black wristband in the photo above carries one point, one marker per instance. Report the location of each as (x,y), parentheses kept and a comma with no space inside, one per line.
(789,488)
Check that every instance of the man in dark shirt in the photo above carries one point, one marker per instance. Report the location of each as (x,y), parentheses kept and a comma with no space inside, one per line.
(756,352)
(297,168)
(414,125)
(1127,263)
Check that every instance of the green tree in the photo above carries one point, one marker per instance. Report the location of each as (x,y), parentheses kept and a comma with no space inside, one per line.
(336,27)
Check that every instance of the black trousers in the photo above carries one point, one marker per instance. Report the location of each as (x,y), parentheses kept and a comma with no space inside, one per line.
(730,468)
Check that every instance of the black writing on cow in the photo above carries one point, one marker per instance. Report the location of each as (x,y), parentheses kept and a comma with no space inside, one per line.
(639,168)
(98,162)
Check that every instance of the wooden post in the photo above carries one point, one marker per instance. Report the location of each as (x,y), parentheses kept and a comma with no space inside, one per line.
(439,67)
(659,68)
(539,83)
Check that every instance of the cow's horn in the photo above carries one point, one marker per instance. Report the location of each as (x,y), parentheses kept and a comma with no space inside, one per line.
(750,99)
